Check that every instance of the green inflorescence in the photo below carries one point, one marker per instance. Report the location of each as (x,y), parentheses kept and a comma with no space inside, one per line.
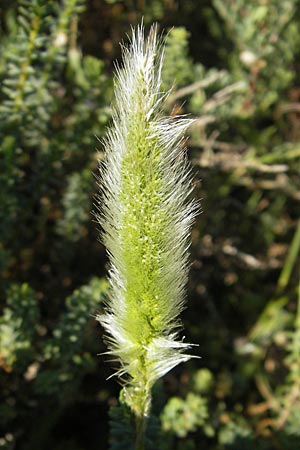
(146,217)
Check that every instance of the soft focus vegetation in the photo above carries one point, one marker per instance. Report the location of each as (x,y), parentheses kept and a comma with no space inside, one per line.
(233,65)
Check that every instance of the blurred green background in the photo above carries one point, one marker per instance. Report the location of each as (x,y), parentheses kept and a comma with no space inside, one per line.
(233,65)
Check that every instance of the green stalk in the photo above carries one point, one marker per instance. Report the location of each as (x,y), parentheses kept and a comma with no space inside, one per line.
(290,261)
(140,432)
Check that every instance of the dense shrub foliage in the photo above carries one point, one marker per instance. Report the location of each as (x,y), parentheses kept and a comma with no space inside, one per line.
(234,66)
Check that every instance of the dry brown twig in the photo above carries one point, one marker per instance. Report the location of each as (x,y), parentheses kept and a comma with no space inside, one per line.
(191,88)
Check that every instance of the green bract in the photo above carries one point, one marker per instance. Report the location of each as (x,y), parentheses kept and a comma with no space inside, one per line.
(146,217)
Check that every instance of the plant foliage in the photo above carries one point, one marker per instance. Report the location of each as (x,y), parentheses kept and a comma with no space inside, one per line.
(232,66)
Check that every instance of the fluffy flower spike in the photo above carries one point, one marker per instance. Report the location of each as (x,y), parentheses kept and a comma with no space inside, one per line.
(146,215)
